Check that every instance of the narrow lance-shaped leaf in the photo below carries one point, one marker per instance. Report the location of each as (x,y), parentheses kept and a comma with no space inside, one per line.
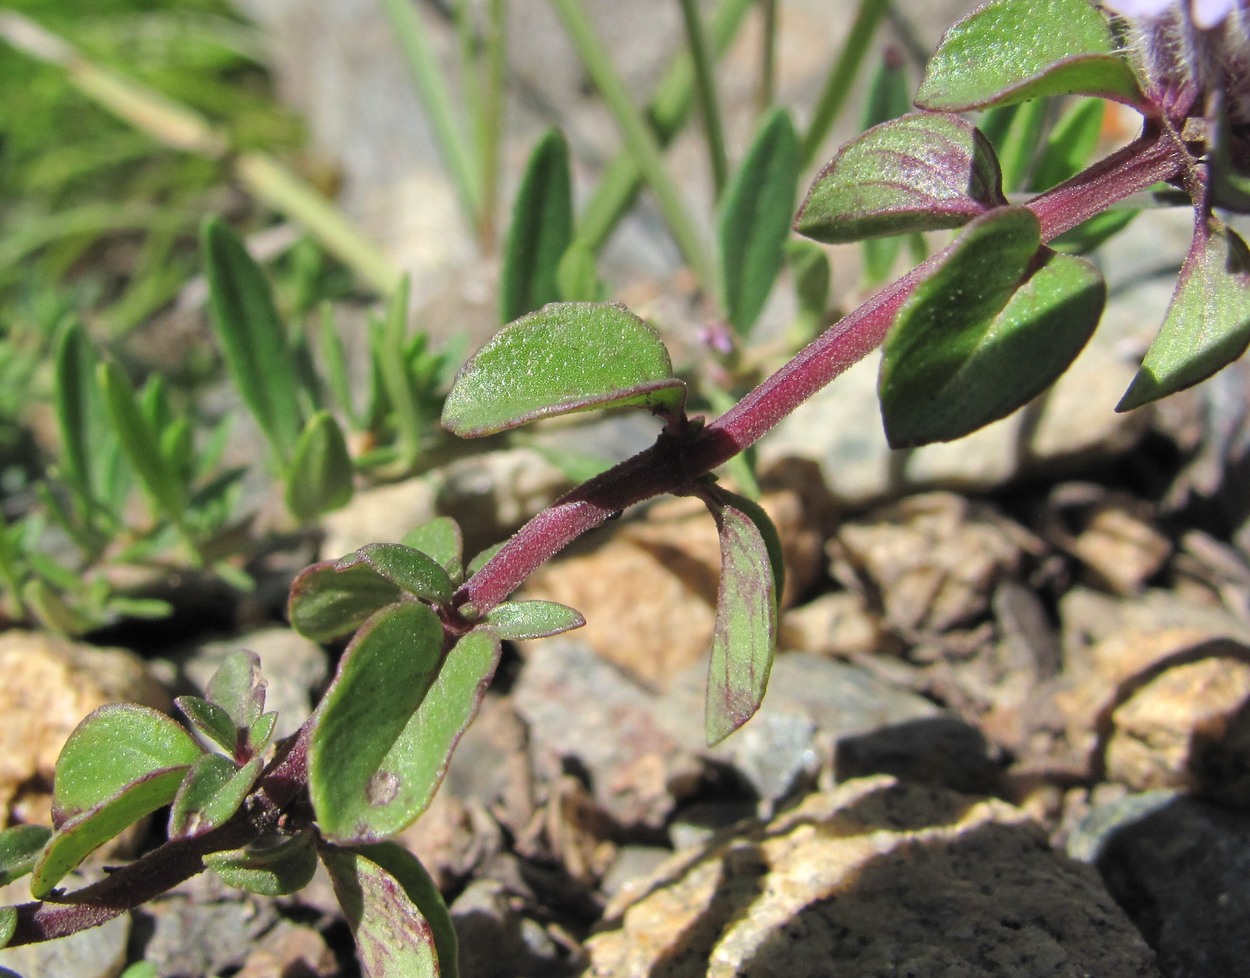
(1014,50)
(922,172)
(320,475)
(566,357)
(389,722)
(401,925)
(745,634)
(140,442)
(88,443)
(1207,325)
(238,687)
(8,924)
(212,791)
(755,220)
(1071,143)
(541,230)
(994,325)
(252,337)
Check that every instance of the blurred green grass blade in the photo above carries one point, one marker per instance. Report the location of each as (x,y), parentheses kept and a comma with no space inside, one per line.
(320,476)
(540,232)
(141,444)
(1070,145)
(252,337)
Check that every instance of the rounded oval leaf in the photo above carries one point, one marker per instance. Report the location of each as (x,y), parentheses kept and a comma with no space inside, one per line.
(112,747)
(1014,50)
(270,871)
(410,570)
(327,601)
(441,539)
(389,722)
(920,172)
(518,620)
(19,849)
(566,357)
(995,324)
(398,917)
(745,634)
(210,794)
(320,475)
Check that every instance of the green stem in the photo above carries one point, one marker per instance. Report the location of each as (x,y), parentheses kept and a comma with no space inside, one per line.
(838,84)
(490,119)
(427,74)
(667,111)
(705,86)
(638,138)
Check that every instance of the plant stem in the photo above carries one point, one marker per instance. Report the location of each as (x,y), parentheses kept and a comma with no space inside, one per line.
(838,84)
(768,56)
(491,119)
(638,138)
(705,88)
(672,466)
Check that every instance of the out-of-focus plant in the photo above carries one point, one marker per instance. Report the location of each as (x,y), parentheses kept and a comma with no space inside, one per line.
(969,335)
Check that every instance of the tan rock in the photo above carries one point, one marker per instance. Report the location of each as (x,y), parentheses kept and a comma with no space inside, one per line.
(290,950)
(49,685)
(1120,547)
(934,559)
(876,878)
(668,563)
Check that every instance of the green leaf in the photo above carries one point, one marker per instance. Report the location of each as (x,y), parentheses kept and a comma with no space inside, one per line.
(19,848)
(210,720)
(921,172)
(272,870)
(401,925)
(441,539)
(755,220)
(320,476)
(8,924)
(111,748)
(389,722)
(327,601)
(1071,144)
(1207,325)
(211,792)
(541,230)
(408,569)
(252,338)
(77,837)
(1017,146)
(577,275)
(1014,50)
(260,733)
(994,325)
(518,620)
(1087,236)
(809,268)
(745,634)
(89,446)
(889,97)
(140,442)
(566,357)
(238,688)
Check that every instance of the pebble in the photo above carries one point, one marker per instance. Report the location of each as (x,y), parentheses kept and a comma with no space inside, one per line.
(876,878)
(50,684)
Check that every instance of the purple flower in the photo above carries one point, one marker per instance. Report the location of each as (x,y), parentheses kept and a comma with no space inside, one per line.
(1204,14)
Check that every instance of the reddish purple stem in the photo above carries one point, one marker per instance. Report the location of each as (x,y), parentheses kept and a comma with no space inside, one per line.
(1156,155)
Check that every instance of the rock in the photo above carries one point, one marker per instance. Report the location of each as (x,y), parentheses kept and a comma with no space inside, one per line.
(667,564)
(1087,617)
(838,623)
(499,939)
(1111,533)
(586,717)
(381,514)
(1179,868)
(96,953)
(290,951)
(295,668)
(202,927)
(1164,709)
(491,764)
(876,878)
(50,685)
(812,705)
(452,838)
(933,559)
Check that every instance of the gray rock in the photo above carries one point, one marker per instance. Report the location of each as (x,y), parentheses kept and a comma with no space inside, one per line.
(873,879)
(1179,868)
(96,953)
(586,717)
(812,705)
(499,940)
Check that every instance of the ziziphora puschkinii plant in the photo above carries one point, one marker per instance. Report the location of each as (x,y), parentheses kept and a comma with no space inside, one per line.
(969,335)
